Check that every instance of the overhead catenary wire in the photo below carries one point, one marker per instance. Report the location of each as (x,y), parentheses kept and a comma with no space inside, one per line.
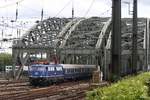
(63,8)
(42,13)
(109,3)
(108,10)
(11,4)
(90,6)
(59,11)
(18,2)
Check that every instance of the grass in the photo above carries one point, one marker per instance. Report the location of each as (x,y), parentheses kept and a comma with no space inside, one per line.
(130,88)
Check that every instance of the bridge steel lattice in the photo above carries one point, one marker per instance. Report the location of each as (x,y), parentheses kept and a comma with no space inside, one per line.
(81,41)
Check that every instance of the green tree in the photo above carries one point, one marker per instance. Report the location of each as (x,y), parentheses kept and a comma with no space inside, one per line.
(5,59)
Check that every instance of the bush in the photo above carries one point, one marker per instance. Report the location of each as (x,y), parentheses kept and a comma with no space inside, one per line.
(131,88)
(5,59)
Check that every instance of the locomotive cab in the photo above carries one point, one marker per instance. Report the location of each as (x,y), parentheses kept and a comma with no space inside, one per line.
(37,71)
(45,74)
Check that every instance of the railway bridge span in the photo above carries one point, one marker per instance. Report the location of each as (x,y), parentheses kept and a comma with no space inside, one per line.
(81,41)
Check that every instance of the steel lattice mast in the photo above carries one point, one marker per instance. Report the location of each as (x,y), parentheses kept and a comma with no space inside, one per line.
(116,39)
(134,38)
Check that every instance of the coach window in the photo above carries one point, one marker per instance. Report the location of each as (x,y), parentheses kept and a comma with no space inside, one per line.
(72,70)
(66,71)
(87,69)
(69,71)
(76,70)
(91,69)
(82,69)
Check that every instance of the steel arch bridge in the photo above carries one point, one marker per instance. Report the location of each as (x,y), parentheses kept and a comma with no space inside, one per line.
(80,41)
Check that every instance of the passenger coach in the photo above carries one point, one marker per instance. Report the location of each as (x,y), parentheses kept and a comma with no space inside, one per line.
(40,74)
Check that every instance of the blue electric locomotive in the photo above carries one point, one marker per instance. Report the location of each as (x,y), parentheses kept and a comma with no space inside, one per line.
(40,74)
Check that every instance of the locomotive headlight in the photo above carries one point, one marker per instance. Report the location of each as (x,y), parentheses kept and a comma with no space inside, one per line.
(36,73)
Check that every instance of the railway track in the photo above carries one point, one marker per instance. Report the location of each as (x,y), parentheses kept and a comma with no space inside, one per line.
(8,88)
(64,91)
(12,81)
(75,95)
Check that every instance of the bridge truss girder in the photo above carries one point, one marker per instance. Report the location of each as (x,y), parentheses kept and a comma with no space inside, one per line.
(78,41)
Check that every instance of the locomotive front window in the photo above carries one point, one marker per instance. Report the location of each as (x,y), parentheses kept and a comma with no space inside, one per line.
(59,68)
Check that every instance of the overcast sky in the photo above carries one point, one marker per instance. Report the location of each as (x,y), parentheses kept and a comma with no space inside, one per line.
(30,10)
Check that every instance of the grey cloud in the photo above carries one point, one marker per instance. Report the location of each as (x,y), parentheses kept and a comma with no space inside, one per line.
(144,2)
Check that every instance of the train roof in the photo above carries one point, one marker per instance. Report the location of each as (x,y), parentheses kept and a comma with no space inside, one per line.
(77,66)
(66,65)
(50,65)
